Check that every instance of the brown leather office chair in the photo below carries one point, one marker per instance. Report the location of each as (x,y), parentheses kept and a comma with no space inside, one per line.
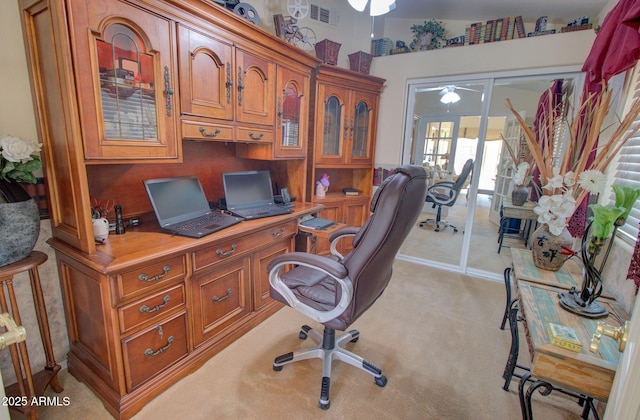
(336,291)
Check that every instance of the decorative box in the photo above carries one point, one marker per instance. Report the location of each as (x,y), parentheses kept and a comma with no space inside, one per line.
(360,61)
(327,51)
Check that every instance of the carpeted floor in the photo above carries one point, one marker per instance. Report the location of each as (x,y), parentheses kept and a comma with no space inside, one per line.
(435,335)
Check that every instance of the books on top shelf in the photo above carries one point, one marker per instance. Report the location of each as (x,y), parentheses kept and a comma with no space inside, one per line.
(563,336)
(494,30)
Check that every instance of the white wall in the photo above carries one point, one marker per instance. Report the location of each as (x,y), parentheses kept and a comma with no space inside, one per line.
(567,49)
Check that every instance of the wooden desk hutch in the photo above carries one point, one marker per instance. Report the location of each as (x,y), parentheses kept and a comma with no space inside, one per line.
(126,90)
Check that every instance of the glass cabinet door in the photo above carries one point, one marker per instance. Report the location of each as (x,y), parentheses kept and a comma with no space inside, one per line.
(331,139)
(127,72)
(292,107)
(360,135)
(127,86)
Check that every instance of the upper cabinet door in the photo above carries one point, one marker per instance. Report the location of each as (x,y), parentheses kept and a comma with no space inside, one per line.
(129,112)
(255,89)
(206,75)
(332,124)
(292,116)
(361,130)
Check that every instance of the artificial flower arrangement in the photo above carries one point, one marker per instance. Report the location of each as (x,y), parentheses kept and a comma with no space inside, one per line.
(521,176)
(567,179)
(19,159)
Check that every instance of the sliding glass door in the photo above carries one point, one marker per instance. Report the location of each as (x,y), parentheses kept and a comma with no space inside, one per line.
(473,126)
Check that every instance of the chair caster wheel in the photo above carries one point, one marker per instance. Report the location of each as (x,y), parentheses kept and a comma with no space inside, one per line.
(302,335)
(279,368)
(355,340)
(455,230)
(421,224)
(436,230)
(324,406)
(381,381)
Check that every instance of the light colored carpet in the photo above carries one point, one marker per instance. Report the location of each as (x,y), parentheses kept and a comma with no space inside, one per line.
(435,335)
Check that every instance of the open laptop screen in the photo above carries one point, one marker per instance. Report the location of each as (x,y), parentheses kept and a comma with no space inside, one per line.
(176,199)
(249,188)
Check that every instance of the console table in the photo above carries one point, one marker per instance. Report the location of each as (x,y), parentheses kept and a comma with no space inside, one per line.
(28,385)
(584,375)
(524,212)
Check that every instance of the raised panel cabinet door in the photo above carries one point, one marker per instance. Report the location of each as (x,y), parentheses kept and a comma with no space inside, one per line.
(220,298)
(361,132)
(126,75)
(332,124)
(255,89)
(261,260)
(292,112)
(206,75)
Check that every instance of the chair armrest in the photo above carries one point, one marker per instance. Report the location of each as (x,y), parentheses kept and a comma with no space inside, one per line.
(332,268)
(339,234)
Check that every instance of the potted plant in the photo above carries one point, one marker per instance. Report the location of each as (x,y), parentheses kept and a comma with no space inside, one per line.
(428,35)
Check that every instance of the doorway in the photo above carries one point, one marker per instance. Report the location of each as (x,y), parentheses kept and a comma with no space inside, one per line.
(474,125)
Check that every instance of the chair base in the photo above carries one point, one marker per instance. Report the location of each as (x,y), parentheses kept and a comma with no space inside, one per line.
(439,224)
(328,348)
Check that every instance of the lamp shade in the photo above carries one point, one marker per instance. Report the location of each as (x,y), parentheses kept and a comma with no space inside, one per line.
(380,7)
(359,5)
(450,97)
(376,8)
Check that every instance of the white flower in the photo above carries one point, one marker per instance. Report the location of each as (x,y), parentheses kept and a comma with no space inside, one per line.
(555,182)
(592,181)
(15,149)
(570,179)
(556,226)
(521,172)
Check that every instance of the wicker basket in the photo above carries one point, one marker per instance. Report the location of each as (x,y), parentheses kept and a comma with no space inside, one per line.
(327,51)
(360,61)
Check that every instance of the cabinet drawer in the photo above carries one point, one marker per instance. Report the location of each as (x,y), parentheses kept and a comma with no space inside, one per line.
(224,250)
(154,350)
(154,275)
(195,130)
(220,298)
(150,308)
(254,135)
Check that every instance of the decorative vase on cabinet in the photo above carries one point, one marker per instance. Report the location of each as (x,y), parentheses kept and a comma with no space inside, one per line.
(519,195)
(19,223)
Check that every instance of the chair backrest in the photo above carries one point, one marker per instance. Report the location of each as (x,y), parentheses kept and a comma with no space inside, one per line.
(464,174)
(395,207)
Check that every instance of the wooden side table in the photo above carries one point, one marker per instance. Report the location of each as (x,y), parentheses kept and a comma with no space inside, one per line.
(28,385)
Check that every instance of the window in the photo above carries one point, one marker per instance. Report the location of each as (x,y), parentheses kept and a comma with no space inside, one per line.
(628,168)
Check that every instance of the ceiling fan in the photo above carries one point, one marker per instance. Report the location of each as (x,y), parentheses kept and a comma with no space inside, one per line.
(377,7)
(448,93)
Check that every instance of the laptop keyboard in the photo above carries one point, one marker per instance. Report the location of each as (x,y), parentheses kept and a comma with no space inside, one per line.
(261,211)
(204,221)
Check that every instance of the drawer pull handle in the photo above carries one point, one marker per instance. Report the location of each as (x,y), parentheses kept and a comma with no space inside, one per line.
(254,136)
(149,352)
(225,253)
(206,133)
(148,310)
(225,297)
(278,234)
(144,277)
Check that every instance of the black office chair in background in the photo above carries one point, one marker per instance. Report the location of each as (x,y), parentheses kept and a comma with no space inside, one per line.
(336,291)
(446,193)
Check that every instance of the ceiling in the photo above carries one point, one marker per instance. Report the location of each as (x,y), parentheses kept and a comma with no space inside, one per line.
(558,11)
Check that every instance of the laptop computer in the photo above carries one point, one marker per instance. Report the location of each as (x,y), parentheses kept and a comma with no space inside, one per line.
(182,208)
(249,195)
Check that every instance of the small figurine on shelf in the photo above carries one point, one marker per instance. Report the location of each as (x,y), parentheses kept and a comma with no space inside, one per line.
(322,186)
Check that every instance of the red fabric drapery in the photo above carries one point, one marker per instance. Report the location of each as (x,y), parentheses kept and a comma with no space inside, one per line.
(617,45)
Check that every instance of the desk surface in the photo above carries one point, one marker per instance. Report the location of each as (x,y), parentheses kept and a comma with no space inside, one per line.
(569,275)
(584,372)
(147,241)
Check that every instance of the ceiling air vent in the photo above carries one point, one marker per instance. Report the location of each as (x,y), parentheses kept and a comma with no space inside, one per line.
(320,14)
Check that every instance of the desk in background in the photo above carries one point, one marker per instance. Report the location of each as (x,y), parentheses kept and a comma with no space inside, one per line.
(511,212)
